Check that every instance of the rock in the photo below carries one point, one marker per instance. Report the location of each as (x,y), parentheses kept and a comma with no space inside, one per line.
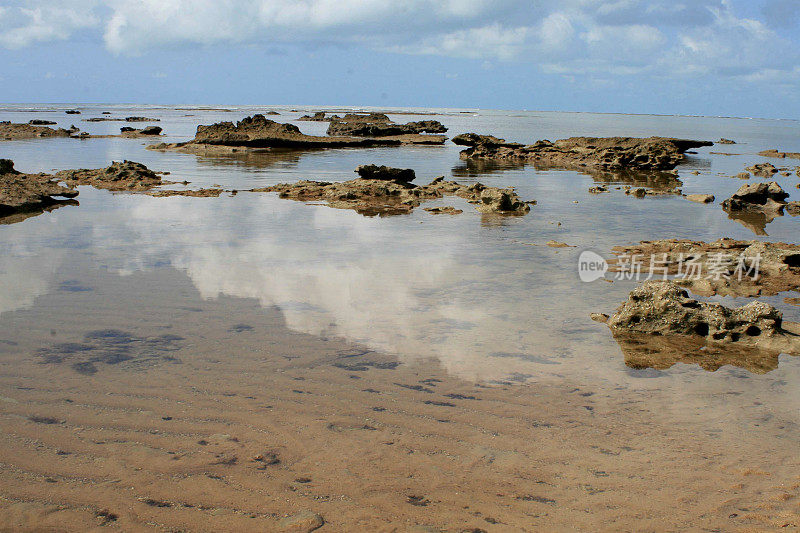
(10,131)
(120,176)
(664,308)
(558,244)
(29,193)
(127,131)
(379,125)
(723,140)
(271,113)
(609,153)
(725,267)
(598,189)
(768,198)
(763,170)
(383,197)
(259,133)
(446,210)
(701,198)
(319,116)
(599,317)
(141,119)
(303,522)
(72,112)
(793,208)
(743,175)
(374,172)
(39,122)
(781,155)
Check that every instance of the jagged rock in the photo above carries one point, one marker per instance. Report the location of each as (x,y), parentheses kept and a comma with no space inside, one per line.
(664,308)
(379,125)
(141,119)
(767,198)
(258,132)
(445,210)
(374,172)
(319,116)
(781,155)
(10,131)
(133,132)
(743,176)
(793,208)
(701,198)
(725,267)
(40,122)
(602,153)
(723,140)
(20,193)
(383,197)
(120,176)
(763,170)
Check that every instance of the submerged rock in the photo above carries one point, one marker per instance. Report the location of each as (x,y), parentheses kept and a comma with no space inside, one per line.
(10,131)
(387,196)
(723,140)
(603,153)
(28,193)
(781,155)
(701,198)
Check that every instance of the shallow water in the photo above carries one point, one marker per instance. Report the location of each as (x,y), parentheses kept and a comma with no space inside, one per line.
(479,297)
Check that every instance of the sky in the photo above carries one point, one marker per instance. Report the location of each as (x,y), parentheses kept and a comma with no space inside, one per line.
(694,57)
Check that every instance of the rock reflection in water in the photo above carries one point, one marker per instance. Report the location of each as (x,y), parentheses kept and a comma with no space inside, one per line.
(662,352)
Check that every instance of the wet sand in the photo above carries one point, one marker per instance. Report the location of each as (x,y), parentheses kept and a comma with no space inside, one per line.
(180,436)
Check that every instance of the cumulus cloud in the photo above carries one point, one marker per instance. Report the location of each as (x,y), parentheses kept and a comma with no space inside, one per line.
(619,37)
(32,22)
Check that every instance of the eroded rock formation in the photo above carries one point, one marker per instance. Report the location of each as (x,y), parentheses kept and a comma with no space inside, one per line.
(26,193)
(602,153)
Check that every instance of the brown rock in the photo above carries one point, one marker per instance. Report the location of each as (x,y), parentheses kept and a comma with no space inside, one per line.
(10,131)
(610,153)
(781,155)
(29,193)
(764,197)
(763,170)
(700,198)
(120,176)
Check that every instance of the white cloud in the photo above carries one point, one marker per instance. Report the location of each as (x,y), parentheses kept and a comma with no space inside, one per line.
(570,37)
(34,22)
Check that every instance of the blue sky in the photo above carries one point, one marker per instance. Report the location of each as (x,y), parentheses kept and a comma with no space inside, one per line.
(708,57)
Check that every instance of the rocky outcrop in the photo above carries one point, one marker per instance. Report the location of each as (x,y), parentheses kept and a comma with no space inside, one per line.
(26,193)
(370,197)
(141,119)
(127,131)
(763,170)
(319,116)
(723,140)
(725,267)
(767,198)
(384,173)
(40,122)
(10,131)
(120,176)
(781,155)
(379,125)
(663,308)
(600,153)
(260,133)
(700,198)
